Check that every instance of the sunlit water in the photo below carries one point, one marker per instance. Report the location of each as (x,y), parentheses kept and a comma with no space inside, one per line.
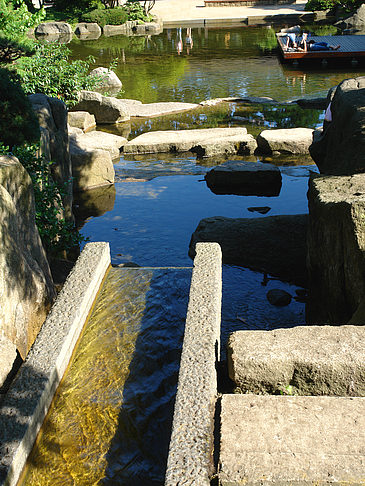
(111,420)
(222,62)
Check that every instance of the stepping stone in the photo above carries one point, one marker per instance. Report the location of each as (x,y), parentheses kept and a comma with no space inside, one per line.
(158,109)
(287,440)
(286,141)
(204,142)
(308,360)
(245,178)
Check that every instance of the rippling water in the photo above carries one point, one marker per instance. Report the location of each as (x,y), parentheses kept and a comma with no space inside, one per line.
(110,422)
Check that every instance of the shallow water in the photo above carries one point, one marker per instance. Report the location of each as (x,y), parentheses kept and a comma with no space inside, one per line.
(150,220)
(110,422)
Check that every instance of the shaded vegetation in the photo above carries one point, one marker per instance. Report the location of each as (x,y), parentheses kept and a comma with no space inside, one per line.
(345,5)
(18,122)
(57,234)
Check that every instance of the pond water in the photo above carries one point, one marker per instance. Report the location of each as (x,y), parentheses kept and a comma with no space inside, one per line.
(110,422)
(222,62)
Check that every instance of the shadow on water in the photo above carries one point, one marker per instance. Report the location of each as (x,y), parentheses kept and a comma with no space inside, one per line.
(138,451)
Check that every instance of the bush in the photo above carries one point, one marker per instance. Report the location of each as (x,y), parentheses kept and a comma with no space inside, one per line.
(51,72)
(15,22)
(135,11)
(346,6)
(18,122)
(77,7)
(102,16)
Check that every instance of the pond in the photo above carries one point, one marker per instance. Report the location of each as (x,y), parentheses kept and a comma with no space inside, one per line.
(222,62)
(110,423)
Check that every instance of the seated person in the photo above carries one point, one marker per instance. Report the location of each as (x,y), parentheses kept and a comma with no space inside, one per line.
(290,41)
(321,46)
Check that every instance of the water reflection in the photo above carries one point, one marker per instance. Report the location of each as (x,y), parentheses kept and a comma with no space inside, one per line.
(255,117)
(221,62)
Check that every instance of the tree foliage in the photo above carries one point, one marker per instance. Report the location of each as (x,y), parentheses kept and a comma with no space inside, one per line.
(344,5)
(18,122)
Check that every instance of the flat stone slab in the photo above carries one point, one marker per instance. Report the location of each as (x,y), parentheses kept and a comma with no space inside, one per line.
(98,141)
(274,244)
(205,142)
(158,109)
(244,178)
(304,360)
(290,140)
(277,440)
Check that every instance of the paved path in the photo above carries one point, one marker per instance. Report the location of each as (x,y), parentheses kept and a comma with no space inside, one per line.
(194,11)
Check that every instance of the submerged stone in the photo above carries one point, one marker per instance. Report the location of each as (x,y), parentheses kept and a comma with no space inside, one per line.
(244,178)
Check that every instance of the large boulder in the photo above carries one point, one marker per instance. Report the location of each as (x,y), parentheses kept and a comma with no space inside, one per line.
(159,109)
(108,78)
(52,117)
(97,140)
(91,168)
(53,28)
(340,150)
(244,178)
(274,244)
(285,141)
(105,109)
(356,22)
(26,286)
(204,142)
(81,119)
(336,246)
(60,32)
(88,31)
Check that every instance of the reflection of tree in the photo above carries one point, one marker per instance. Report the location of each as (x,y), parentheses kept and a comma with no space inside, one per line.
(266,40)
(279,116)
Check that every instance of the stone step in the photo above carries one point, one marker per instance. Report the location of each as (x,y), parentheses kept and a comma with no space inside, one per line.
(287,440)
(304,360)
(204,142)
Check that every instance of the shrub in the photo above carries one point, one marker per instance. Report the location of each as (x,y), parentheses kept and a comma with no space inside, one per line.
(102,16)
(15,22)
(51,72)
(77,7)
(346,5)
(18,122)
(135,11)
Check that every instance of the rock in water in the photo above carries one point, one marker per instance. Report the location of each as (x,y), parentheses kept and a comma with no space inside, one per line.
(340,150)
(278,297)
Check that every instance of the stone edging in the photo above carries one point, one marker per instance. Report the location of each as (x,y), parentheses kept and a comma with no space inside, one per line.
(30,395)
(190,458)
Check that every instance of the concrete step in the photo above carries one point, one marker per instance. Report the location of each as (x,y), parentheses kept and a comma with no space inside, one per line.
(292,440)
